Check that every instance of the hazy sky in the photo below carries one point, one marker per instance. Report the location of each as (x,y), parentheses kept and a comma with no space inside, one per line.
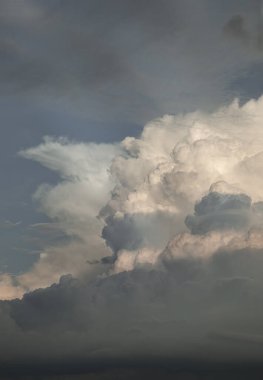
(131,201)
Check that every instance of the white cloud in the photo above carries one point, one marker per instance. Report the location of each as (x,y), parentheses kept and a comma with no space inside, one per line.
(149,186)
(74,204)
(178,160)
(182,156)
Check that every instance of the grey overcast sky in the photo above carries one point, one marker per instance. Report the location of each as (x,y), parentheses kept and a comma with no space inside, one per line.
(131,192)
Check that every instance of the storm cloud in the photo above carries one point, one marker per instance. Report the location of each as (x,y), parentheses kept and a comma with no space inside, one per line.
(148,257)
(159,290)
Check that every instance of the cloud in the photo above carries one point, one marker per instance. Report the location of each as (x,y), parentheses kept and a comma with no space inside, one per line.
(145,190)
(109,56)
(182,159)
(73,205)
(83,54)
(152,253)
(180,209)
(193,311)
(220,211)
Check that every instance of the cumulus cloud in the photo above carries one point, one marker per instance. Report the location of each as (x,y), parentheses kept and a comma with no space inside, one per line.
(153,250)
(207,162)
(197,171)
(180,209)
(220,211)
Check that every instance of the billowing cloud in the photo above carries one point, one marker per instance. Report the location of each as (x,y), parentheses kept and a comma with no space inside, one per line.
(196,171)
(220,211)
(180,209)
(149,252)
(207,162)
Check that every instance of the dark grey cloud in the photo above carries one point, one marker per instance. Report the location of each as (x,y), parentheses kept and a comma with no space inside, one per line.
(163,370)
(190,314)
(110,54)
(61,46)
(218,211)
(133,231)
(122,233)
(214,202)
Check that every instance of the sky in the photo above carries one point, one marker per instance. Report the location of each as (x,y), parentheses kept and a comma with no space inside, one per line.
(131,201)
